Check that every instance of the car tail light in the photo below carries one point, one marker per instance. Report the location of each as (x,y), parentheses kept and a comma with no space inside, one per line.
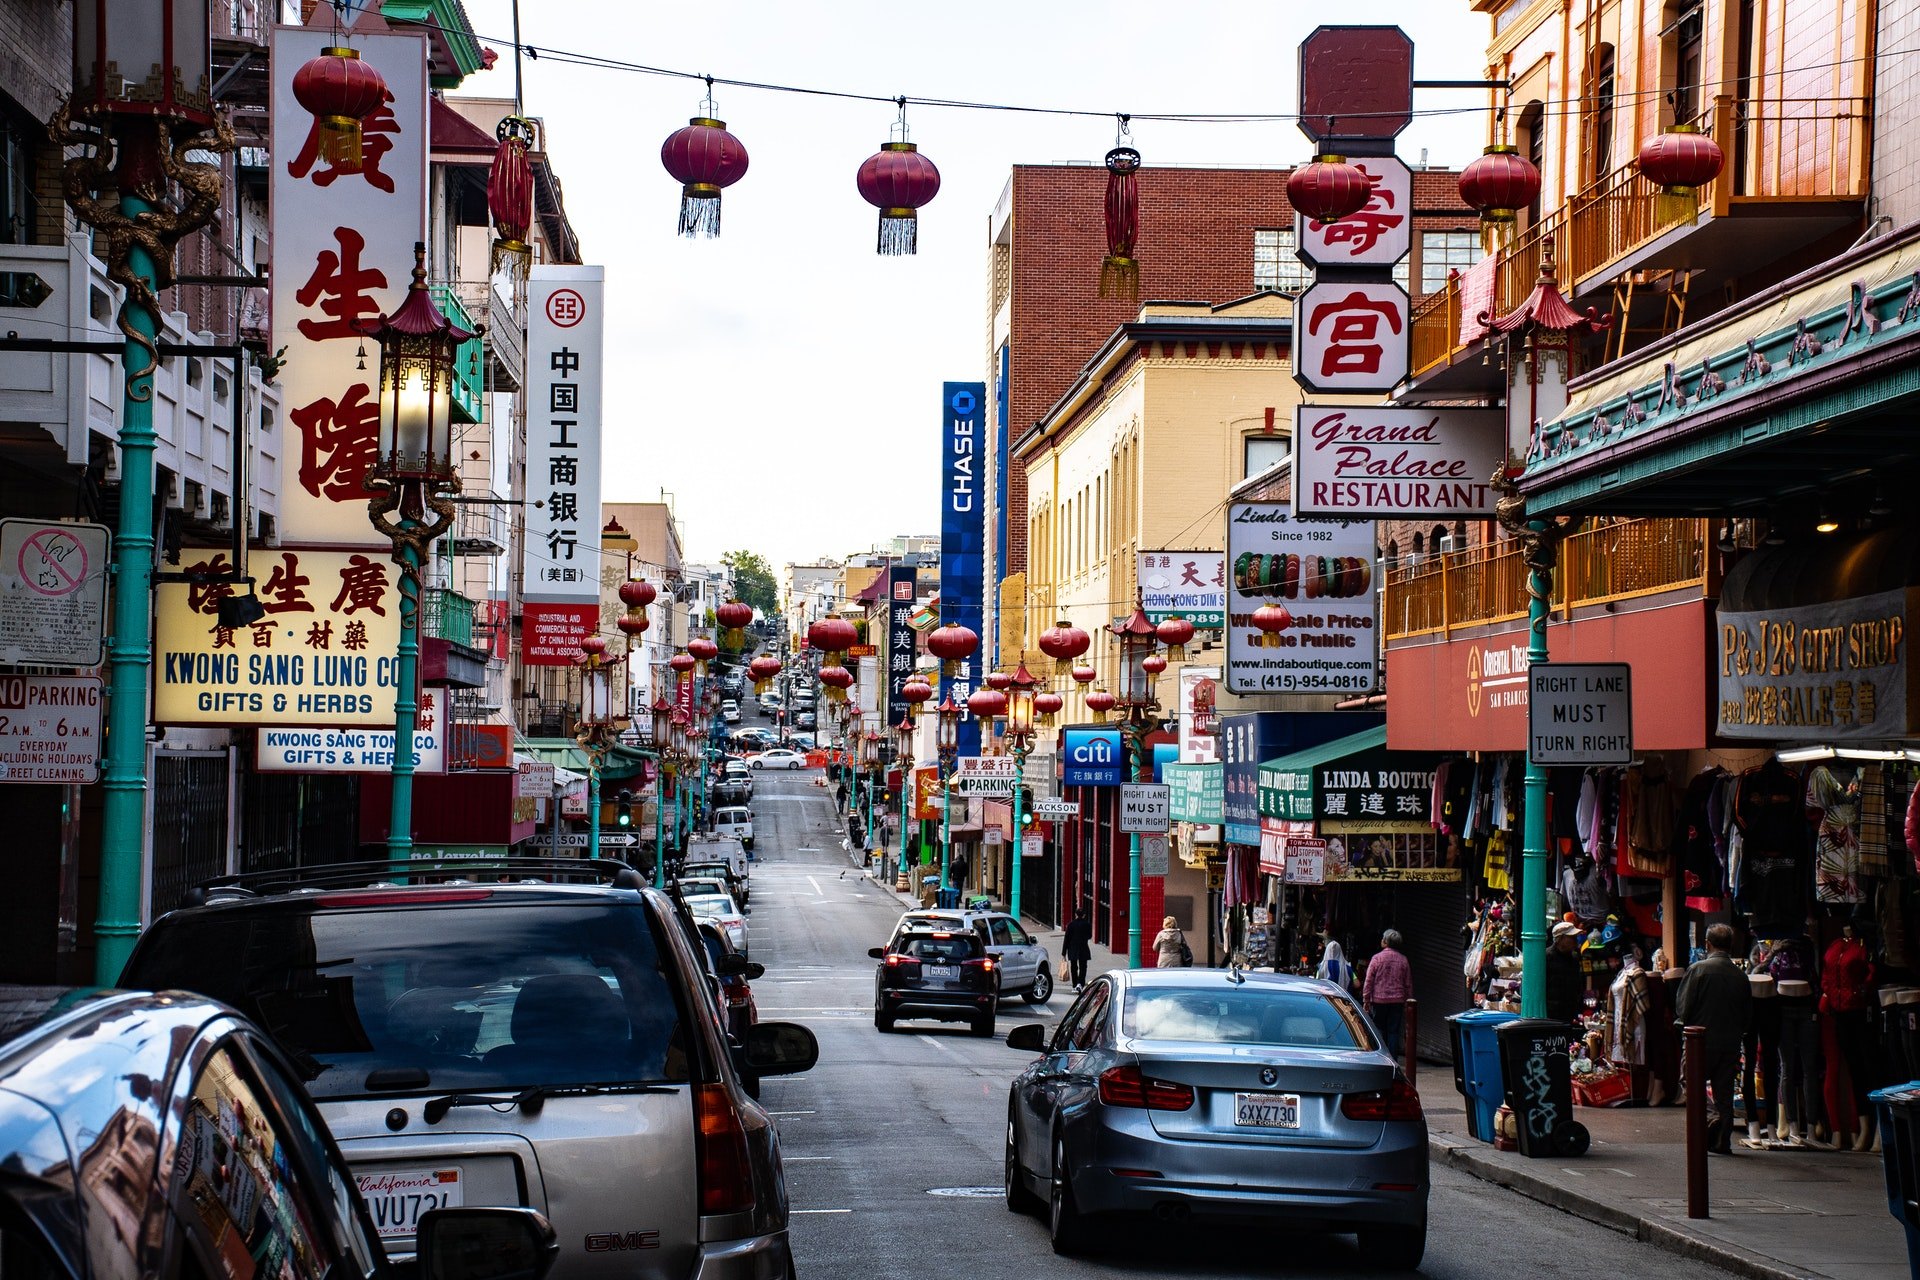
(1401,1101)
(726,1172)
(895,960)
(1126,1087)
(985,963)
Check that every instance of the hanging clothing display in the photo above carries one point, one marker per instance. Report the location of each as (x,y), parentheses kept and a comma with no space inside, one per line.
(1770,812)
(1833,800)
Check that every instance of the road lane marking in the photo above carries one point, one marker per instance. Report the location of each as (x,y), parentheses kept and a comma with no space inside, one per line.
(789,1113)
(792,1213)
(816,886)
(938,1044)
(791,1159)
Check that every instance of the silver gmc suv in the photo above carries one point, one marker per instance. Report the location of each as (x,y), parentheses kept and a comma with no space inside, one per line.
(488,1034)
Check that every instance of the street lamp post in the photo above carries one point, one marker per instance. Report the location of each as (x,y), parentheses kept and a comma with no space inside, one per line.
(660,737)
(1137,637)
(946,739)
(127,130)
(598,728)
(904,757)
(1020,739)
(412,480)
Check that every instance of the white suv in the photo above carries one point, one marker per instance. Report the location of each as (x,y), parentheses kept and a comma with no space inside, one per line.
(1024,967)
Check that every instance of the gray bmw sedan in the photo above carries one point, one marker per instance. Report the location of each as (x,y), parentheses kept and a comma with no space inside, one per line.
(1220,1096)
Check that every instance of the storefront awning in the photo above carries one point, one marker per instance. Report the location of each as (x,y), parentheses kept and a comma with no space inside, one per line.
(1286,783)
(622,764)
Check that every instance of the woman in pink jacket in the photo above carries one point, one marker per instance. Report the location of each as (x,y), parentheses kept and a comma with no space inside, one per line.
(1388,988)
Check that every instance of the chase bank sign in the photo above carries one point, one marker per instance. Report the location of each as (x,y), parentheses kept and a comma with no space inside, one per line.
(1094,758)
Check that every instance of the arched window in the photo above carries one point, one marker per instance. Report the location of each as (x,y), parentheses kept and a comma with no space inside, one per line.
(1533,144)
(1681,51)
(1600,119)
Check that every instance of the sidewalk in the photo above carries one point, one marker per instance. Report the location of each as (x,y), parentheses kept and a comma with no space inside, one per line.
(1776,1214)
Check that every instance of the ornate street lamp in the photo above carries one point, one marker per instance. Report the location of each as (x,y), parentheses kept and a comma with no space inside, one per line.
(597,729)
(660,738)
(413,480)
(1138,666)
(946,744)
(142,102)
(1020,700)
(903,756)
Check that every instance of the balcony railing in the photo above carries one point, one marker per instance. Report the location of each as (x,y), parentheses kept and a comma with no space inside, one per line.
(1487,584)
(1778,151)
(447,615)
(469,369)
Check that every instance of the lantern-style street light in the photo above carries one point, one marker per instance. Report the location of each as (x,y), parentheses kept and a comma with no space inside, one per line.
(142,88)
(660,739)
(903,756)
(1138,665)
(1020,700)
(946,743)
(412,479)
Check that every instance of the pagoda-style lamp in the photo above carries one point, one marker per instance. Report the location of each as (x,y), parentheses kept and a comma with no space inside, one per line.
(946,742)
(1137,636)
(1020,699)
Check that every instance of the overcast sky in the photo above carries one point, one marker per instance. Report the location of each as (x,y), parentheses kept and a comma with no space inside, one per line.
(782,382)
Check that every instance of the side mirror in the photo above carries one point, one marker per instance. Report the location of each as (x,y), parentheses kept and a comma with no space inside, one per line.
(485,1244)
(781,1048)
(755,970)
(1031,1036)
(734,965)
(878,953)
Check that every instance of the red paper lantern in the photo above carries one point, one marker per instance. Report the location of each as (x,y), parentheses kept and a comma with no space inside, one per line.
(953,644)
(897,180)
(832,634)
(1329,189)
(987,704)
(1174,633)
(1084,674)
(1099,701)
(1120,269)
(594,647)
(704,159)
(510,194)
(1272,619)
(703,649)
(999,681)
(1500,183)
(915,691)
(1047,704)
(341,90)
(1063,642)
(1680,161)
(633,624)
(735,616)
(763,669)
(1153,664)
(637,593)
(682,663)
(837,680)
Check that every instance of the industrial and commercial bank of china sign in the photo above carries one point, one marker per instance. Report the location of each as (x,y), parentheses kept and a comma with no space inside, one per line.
(560,558)
(1393,464)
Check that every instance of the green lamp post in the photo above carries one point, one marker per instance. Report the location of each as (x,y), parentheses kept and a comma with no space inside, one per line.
(946,741)
(413,480)
(903,755)
(1137,637)
(1019,734)
(142,90)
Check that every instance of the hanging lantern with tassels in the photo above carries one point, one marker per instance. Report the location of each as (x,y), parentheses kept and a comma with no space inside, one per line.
(1500,183)
(1046,705)
(1063,642)
(703,651)
(510,196)
(341,90)
(682,663)
(1680,161)
(1174,632)
(736,616)
(837,680)
(898,180)
(1120,269)
(987,704)
(704,159)
(763,669)
(1329,189)
(1271,619)
(632,624)
(1099,701)
(1085,674)
(953,644)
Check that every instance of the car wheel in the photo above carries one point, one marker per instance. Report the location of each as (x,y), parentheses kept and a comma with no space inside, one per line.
(1394,1248)
(1042,987)
(1020,1197)
(793,764)
(1066,1228)
(983,1027)
(881,1021)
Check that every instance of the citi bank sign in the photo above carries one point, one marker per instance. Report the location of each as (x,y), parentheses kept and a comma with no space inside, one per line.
(1093,758)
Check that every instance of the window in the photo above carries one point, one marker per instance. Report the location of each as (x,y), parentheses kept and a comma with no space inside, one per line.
(1444,251)
(1274,266)
(1247,1016)
(16,180)
(1600,145)
(1533,140)
(1263,451)
(1683,37)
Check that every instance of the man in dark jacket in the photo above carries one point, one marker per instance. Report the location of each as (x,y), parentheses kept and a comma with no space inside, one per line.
(1715,995)
(1077,947)
(1565,983)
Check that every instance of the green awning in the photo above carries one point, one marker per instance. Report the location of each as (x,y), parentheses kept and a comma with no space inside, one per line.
(1286,783)
(621,764)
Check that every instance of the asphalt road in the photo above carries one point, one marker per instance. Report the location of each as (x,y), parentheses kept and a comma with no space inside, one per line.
(893,1142)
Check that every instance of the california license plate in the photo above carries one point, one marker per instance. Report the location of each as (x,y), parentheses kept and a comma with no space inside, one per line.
(396,1198)
(1266,1110)
(944,972)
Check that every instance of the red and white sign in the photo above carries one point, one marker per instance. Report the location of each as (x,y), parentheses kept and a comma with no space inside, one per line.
(342,256)
(550,634)
(50,728)
(1199,715)
(1395,464)
(560,556)
(1379,235)
(1306,862)
(1276,834)
(1350,336)
(1355,82)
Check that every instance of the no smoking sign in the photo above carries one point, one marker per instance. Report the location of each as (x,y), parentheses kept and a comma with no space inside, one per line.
(53,593)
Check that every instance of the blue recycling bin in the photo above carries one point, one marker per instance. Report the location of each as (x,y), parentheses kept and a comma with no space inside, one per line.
(1898,1112)
(1476,1066)
(948,898)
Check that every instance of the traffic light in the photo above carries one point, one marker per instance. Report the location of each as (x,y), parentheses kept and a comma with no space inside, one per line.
(623,810)
(1026,806)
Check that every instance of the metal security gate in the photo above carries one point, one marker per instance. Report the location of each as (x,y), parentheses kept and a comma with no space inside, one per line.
(191,835)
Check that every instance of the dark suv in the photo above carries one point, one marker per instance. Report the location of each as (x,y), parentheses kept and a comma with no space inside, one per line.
(487,1034)
(936,974)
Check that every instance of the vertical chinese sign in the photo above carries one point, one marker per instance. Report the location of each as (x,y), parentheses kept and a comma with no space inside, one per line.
(962,534)
(342,257)
(902,641)
(560,558)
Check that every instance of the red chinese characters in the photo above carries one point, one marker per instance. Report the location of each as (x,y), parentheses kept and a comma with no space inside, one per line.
(1379,235)
(377,132)
(338,443)
(1351,336)
(339,284)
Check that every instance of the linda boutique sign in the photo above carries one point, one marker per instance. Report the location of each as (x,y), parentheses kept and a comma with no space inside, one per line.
(1818,672)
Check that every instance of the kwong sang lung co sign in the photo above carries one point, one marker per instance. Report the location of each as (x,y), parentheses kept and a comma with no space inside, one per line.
(1394,464)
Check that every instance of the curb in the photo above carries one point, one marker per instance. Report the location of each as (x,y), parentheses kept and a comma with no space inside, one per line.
(1661,1235)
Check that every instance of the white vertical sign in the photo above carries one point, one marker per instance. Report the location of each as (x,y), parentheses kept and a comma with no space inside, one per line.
(560,561)
(342,257)
(1379,235)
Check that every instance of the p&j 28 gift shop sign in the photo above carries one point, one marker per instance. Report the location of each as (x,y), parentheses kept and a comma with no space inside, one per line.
(1817,672)
(322,656)
(1395,464)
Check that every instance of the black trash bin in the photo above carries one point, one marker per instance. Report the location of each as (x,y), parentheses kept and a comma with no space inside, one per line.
(1536,1071)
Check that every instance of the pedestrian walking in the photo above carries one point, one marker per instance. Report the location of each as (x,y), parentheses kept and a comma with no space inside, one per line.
(1077,948)
(1389,984)
(1334,967)
(1565,983)
(1715,995)
(1170,945)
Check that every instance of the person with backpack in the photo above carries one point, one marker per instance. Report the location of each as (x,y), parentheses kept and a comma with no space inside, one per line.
(1170,946)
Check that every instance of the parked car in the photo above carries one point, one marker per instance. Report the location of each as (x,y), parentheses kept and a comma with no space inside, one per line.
(1254,1096)
(941,974)
(721,909)
(772,702)
(719,869)
(149,1135)
(805,720)
(1020,959)
(756,738)
(730,712)
(706,847)
(736,821)
(778,758)
(420,1013)
(735,974)
(731,793)
(800,741)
